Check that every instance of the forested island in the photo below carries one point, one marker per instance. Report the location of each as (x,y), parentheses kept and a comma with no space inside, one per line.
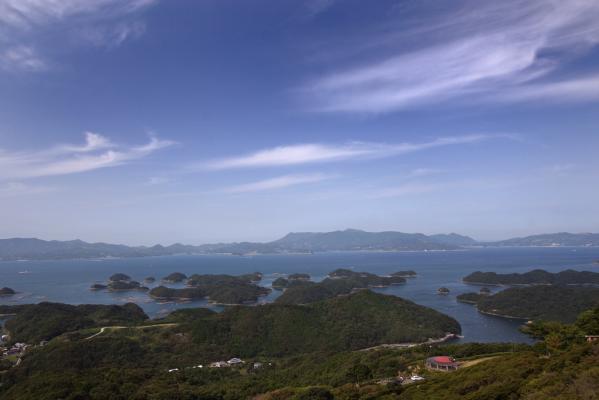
(280,283)
(221,289)
(119,282)
(6,291)
(405,274)
(546,302)
(339,282)
(174,277)
(535,277)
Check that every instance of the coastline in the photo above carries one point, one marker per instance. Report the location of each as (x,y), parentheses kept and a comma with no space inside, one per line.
(503,316)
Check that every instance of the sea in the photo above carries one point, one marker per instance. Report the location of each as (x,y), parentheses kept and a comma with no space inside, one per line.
(68,281)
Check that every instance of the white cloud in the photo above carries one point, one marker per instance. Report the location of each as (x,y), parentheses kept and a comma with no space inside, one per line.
(27,14)
(22,58)
(482,50)
(24,23)
(98,152)
(578,89)
(318,153)
(112,35)
(278,183)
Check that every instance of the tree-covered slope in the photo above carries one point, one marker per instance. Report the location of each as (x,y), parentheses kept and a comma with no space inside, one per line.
(218,288)
(355,321)
(547,302)
(561,366)
(339,282)
(35,322)
(535,277)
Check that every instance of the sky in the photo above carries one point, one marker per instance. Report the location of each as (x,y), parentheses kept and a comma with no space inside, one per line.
(154,121)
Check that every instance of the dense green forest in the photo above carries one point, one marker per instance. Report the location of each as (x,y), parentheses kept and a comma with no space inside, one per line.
(35,322)
(339,282)
(356,321)
(535,277)
(546,302)
(134,364)
(223,289)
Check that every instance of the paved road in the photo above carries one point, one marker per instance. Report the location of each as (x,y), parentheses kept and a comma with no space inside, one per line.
(130,327)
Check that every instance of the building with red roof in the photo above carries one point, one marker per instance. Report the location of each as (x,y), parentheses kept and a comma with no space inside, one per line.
(442,363)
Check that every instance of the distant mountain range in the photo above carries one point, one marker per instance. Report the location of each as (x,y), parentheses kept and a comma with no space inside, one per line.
(301,242)
(552,239)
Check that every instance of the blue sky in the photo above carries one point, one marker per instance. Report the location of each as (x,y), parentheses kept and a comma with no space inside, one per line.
(150,121)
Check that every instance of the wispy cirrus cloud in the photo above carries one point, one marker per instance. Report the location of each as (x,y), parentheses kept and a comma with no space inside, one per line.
(321,153)
(24,23)
(278,183)
(97,152)
(22,58)
(495,50)
(577,89)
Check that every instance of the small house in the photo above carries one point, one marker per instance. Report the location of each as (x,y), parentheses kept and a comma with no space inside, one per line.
(219,364)
(592,338)
(235,361)
(441,363)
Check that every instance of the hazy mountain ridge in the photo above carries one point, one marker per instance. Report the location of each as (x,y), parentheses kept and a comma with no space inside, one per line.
(295,242)
(551,239)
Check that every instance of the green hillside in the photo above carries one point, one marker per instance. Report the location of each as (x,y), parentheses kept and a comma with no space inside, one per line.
(547,302)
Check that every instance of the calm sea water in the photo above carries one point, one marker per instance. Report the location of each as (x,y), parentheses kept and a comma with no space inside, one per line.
(69,281)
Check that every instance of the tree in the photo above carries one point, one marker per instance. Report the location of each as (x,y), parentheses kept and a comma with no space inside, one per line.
(359,373)
(588,322)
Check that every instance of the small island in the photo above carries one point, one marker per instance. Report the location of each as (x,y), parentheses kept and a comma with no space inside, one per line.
(366,279)
(280,283)
(339,282)
(219,289)
(150,279)
(118,277)
(299,277)
(535,277)
(175,277)
(470,298)
(6,291)
(119,282)
(405,274)
(443,291)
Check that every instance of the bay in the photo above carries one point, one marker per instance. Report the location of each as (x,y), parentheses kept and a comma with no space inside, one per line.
(68,281)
